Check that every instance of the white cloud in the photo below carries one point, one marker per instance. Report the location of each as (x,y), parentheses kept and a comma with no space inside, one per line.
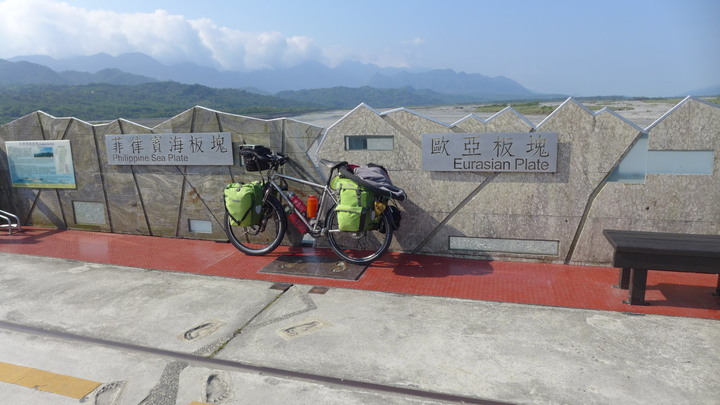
(414,42)
(45,27)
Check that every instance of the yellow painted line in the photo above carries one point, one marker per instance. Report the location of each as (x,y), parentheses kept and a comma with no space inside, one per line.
(46,381)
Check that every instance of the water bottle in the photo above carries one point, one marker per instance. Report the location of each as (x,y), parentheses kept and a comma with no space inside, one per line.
(297,202)
(299,224)
(293,217)
(312,206)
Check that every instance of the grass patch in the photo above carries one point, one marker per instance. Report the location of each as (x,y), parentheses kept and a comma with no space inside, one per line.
(611,107)
(669,100)
(523,108)
(535,107)
(675,100)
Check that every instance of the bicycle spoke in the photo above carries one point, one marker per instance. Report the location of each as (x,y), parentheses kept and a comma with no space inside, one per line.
(262,238)
(358,247)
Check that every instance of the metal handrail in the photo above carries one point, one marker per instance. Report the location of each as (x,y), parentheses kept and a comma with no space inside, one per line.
(10,225)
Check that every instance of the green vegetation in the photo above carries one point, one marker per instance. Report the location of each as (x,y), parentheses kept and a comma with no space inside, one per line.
(597,107)
(665,100)
(101,102)
(714,100)
(675,100)
(96,102)
(529,108)
(351,97)
(595,104)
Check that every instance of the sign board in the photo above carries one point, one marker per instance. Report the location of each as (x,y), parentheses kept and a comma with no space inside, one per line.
(490,152)
(194,149)
(41,164)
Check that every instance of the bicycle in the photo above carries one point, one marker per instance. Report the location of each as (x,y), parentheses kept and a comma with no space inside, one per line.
(360,247)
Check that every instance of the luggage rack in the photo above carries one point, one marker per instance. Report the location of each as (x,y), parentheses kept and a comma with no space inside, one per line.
(8,218)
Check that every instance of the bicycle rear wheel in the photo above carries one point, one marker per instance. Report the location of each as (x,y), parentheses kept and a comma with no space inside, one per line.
(264,237)
(359,247)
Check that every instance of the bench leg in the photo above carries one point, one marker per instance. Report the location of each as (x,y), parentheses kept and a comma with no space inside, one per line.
(717,290)
(636,292)
(624,279)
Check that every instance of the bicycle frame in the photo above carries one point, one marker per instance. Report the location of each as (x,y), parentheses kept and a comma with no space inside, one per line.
(316,227)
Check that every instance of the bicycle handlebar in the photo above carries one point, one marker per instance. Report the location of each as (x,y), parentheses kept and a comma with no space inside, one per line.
(276,159)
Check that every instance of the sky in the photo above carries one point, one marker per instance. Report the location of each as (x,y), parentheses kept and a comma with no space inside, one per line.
(584,48)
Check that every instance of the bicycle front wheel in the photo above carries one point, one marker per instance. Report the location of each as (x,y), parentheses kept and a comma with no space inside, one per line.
(264,237)
(359,247)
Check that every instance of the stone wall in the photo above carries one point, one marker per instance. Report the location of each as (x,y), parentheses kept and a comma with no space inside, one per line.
(569,208)
(566,210)
(145,200)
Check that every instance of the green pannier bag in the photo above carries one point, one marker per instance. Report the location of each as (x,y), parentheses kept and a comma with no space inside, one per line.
(355,211)
(243,203)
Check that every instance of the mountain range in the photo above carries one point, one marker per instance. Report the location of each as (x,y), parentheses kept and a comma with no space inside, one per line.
(135,85)
(22,73)
(141,68)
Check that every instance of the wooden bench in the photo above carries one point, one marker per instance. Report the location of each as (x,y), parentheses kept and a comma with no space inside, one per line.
(636,252)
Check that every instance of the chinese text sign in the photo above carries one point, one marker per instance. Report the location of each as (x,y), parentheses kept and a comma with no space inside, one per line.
(490,152)
(196,149)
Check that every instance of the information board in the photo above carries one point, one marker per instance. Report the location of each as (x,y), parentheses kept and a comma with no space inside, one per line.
(41,164)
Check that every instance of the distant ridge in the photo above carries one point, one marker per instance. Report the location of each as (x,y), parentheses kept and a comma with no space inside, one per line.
(309,75)
(18,73)
(704,92)
(451,82)
(23,72)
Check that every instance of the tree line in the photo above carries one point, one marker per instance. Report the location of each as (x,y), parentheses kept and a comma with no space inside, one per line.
(103,101)
(99,102)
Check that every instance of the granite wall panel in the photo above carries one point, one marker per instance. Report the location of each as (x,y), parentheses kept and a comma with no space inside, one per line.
(571,206)
(125,209)
(682,203)
(45,209)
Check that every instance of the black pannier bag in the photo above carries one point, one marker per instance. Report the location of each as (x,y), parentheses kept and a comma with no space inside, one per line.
(378,177)
(396,217)
(257,163)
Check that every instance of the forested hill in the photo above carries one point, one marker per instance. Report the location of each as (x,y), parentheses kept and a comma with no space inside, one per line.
(349,97)
(96,102)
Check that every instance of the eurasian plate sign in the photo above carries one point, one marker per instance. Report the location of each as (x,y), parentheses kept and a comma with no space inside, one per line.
(534,152)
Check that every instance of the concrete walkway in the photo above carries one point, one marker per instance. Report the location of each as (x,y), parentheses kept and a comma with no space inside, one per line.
(142,336)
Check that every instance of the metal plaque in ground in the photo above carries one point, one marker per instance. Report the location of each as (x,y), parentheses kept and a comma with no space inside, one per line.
(314,266)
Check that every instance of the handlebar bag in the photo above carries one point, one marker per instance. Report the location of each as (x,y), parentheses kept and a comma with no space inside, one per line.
(355,211)
(243,203)
(258,160)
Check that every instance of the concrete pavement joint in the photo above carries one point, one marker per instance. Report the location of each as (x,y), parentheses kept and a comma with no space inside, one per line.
(165,391)
(309,306)
(221,343)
